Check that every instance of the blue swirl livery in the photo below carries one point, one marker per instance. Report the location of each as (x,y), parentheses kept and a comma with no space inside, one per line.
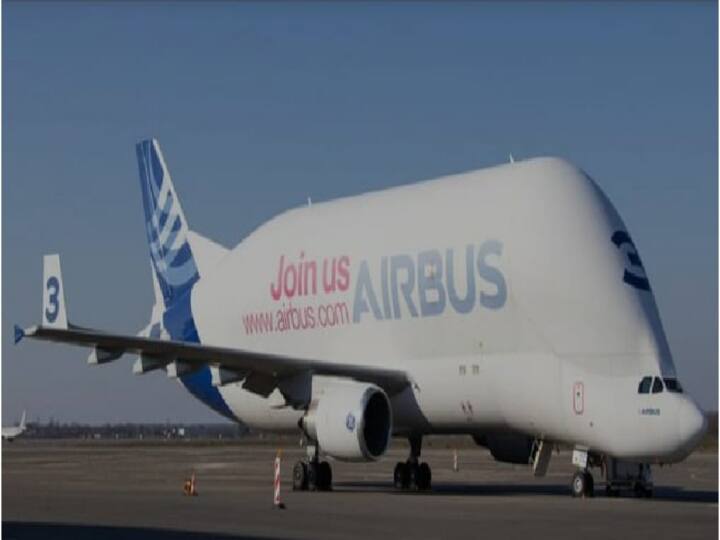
(173,263)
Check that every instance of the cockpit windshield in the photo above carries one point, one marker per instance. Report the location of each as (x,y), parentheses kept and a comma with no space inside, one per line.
(644,386)
(673,385)
(655,385)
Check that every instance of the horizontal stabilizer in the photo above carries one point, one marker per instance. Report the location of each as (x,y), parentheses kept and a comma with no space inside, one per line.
(19,334)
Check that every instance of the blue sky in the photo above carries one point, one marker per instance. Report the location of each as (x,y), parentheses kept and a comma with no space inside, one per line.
(258,106)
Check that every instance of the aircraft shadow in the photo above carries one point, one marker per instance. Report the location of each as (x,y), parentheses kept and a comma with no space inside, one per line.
(20,530)
(661,493)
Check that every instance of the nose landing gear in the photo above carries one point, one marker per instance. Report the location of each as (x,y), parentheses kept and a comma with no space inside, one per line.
(411,474)
(583,484)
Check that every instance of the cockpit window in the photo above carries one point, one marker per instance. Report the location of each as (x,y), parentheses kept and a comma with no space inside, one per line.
(644,387)
(673,385)
(657,386)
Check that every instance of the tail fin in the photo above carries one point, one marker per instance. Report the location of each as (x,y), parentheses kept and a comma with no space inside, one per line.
(22,421)
(165,224)
(54,314)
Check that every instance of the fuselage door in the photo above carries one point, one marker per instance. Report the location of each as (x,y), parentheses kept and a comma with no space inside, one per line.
(579,397)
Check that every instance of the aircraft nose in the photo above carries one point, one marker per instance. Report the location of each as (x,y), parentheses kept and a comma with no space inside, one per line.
(693,425)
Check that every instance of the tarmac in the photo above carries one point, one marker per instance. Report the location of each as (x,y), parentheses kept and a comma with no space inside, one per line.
(116,489)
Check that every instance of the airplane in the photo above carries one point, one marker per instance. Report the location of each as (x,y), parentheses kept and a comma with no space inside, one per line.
(508,303)
(10,433)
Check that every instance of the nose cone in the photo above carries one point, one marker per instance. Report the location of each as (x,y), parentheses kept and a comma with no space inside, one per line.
(692,426)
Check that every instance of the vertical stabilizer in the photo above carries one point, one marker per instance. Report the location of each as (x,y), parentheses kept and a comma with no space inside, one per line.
(165,225)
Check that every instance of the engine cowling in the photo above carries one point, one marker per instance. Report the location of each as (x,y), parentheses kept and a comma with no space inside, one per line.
(351,421)
(507,447)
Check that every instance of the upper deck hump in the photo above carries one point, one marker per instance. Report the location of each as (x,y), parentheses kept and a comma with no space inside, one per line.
(544,174)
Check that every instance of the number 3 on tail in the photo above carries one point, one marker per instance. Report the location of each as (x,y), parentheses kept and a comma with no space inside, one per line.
(53,307)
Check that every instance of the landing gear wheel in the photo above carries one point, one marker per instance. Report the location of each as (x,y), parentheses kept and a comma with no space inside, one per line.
(324,476)
(401,477)
(317,474)
(312,476)
(582,484)
(578,484)
(300,476)
(590,485)
(424,477)
(419,476)
(413,476)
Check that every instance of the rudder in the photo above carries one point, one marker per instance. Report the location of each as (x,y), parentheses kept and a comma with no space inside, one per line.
(165,225)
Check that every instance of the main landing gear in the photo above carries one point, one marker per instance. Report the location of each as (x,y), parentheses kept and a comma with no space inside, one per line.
(312,474)
(411,474)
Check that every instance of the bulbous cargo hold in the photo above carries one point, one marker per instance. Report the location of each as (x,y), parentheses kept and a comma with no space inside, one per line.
(517,251)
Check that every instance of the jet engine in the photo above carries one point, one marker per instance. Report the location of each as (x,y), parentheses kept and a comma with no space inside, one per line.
(507,446)
(350,421)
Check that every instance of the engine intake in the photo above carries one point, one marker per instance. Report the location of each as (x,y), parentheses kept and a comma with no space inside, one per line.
(351,421)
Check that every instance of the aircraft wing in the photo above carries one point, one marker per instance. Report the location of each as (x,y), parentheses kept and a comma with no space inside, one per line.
(261,372)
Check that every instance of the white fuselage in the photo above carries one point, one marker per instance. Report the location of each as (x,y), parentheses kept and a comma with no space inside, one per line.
(11,432)
(500,291)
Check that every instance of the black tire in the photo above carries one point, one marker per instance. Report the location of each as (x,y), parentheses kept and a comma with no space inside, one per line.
(424,478)
(589,485)
(611,491)
(324,473)
(300,476)
(401,478)
(413,476)
(578,486)
(312,476)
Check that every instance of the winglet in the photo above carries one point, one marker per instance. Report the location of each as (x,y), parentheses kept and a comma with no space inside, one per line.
(19,334)
(54,314)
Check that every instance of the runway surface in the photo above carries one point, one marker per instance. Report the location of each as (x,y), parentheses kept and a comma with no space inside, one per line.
(113,490)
